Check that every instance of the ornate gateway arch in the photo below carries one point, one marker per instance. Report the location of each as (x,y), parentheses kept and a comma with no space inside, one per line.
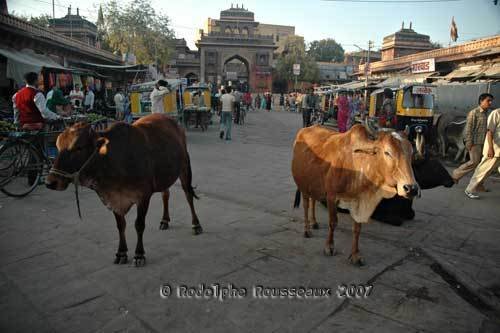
(232,50)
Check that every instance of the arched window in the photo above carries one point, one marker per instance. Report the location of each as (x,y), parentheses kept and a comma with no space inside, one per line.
(227,30)
(244,31)
(236,31)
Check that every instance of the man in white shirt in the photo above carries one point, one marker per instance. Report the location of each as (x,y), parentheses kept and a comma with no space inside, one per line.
(119,100)
(227,101)
(491,155)
(76,96)
(156,97)
(88,103)
(29,105)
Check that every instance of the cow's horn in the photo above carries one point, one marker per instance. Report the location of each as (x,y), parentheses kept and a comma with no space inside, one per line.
(370,129)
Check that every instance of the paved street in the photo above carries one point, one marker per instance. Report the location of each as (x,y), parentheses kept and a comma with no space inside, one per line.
(437,273)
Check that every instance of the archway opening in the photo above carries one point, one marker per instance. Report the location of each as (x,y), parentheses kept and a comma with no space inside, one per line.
(237,73)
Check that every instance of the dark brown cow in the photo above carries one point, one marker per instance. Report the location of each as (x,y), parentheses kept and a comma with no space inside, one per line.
(352,170)
(125,165)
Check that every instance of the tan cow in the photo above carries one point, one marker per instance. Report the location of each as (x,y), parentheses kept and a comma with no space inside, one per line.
(355,170)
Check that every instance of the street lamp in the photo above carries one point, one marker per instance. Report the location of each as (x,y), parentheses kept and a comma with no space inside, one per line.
(367,67)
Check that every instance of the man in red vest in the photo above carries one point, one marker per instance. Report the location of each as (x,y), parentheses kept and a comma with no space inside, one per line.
(29,105)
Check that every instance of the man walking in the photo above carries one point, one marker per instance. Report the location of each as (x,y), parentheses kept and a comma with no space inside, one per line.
(475,132)
(119,100)
(227,102)
(308,103)
(491,155)
(237,101)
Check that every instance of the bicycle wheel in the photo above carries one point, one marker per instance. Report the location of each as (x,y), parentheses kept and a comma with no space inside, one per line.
(20,168)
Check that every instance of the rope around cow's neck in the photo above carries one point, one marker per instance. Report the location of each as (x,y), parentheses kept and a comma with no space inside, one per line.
(75,178)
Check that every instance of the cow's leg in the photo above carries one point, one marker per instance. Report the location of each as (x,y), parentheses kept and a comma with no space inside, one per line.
(329,249)
(165,220)
(140,224)
(443,146)
(355,258)
(307,228)
(315,224)
(121,255)
(188,190)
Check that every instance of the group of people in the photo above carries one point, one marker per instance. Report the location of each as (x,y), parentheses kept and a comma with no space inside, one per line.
(264,102)
(482,141)
(349,104)
(32,109)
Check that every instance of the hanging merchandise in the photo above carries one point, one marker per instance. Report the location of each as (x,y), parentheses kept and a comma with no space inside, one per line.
(77,80)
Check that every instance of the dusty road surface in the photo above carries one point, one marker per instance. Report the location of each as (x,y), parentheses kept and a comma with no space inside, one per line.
(437,273)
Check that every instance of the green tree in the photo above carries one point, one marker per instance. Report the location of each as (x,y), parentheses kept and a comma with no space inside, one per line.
(42,20)
(137,28)
(436,45)
(326,50)
(295,53)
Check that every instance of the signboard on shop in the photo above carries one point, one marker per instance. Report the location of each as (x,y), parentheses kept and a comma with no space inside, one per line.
(231,75)
(424,90)
(423,66)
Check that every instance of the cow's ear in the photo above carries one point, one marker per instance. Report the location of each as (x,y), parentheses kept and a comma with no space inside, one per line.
(366,150)
(102,145)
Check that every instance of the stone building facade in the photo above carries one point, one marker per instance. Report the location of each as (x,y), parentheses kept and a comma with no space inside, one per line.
(404,42)
(233,51)
(76,27)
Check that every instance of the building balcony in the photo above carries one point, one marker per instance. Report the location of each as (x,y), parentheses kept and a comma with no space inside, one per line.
(12,23)
(236,37)
(457,52)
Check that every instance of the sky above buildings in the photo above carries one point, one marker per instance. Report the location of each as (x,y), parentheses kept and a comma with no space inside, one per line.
(350,23)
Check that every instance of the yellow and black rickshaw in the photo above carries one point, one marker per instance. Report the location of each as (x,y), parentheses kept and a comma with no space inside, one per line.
(197,108)
(414,104)
(140,103)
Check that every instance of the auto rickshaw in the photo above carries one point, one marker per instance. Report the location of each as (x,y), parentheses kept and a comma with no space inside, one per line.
(197,106)
(189,92)
(414,105)
(140,104)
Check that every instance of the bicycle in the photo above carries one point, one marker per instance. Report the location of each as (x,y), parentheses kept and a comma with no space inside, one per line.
(25,157)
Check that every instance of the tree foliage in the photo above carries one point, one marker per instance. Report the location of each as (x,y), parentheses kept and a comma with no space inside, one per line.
(436,45)
(137,28)
(42,20)
(326,50)
(295,53)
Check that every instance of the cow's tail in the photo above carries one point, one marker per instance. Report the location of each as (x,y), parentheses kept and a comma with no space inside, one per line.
(190,187)
(296,203)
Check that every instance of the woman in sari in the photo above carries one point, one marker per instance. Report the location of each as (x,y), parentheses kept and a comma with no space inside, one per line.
(343,114)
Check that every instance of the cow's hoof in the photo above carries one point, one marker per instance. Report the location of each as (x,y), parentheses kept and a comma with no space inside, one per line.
(163,225)
(139,260)
(315,225)
(197,229)
(121,258)
(329,251)
(307,234)
(356,260)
